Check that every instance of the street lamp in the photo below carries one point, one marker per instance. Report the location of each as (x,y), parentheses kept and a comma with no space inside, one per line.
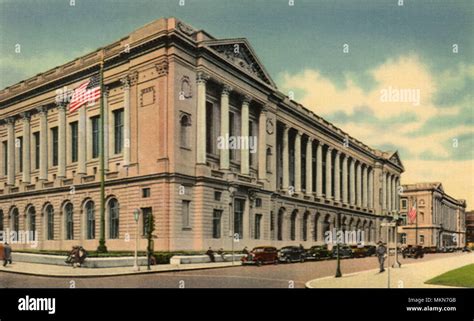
(396,264)
(136,216)
(232,189)
(338,268)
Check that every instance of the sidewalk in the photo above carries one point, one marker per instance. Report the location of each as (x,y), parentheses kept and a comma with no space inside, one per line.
(411,275)
(67,271)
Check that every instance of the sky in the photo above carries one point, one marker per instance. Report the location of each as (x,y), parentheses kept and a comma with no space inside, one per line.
(397,77)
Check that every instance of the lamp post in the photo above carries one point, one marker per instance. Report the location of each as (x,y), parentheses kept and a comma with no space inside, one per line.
(232,189)
(136,216)
(396,264)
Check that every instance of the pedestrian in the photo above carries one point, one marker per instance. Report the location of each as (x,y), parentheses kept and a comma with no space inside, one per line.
(381,252)
(7,254)
(210,253)
(221,253)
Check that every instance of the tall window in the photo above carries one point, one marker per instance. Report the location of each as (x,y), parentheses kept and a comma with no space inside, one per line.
(293,226)
(185,215)
(239,205)
(209,128)
(20,153)
(1,221)
(216,224)
(15,215)
(185,124)
(305,226)
(118,131)
(114,219)
(147,212)
(36,137)
(90,217)
(269,160)
(74,141)
(280,225)
(69,214)
(50,222)
(54,135)
(231,133)
(5,157)
(257,226)
(95,136)
(32,221)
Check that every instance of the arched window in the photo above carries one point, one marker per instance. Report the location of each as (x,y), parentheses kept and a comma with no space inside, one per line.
(113,219)
(293,226)
(15,219)
(49,211)
(281,212)
(269,159)
(32,221)
(90,220)
(315,228)
(185,123)
(305,226)
(1,221)
(69,214)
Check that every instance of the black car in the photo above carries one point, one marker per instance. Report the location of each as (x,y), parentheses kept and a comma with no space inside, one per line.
(344,251)
(318,252)
(413,252)
(290,254)
(370,250)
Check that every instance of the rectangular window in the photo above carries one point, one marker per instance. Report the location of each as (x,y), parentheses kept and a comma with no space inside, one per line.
(147,212)
(5,157)
(146,192)
(239,205)
(95,136)
(209,128)
(20,153)
(258,221)
(404,204)
(185,214)
(54,138)
(217,196)
(231,133)
(74,141)
(216,224)
(118,131)
(404,238)
(37,149)
(422,239)
(258,202)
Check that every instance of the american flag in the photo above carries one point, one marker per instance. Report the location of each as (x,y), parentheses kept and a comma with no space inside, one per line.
(88,91)
(412,213)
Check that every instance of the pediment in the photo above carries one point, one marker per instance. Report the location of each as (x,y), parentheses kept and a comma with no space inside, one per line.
(395,159)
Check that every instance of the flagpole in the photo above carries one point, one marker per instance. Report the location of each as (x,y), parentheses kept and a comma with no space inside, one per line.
(102,247)
(416,221)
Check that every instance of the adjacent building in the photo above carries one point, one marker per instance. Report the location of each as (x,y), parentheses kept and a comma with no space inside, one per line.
(284,175)
(470,228)
(440,219)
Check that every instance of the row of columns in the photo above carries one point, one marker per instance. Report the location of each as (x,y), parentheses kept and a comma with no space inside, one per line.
(353,177)
(390,192)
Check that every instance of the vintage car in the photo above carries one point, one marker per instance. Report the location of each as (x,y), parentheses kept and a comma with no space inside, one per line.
(261,255)
(413,252)
(358,251)
(290,254)
(318,252)
(344,251)
(370,250)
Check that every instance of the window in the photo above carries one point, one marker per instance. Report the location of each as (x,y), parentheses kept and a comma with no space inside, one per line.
(404,238)
(54,136)
(258,202)
(118,131)
(305,227)
(209,128)
(15,217)
(404,204)
(216,224)
(50,222)
(20,153)
(239,217)
(69,213)
(90,217)
(257,226)
(217,196)
(422,239)
(146,192)
(1,222)
(185,124)
(269,160)
(95,136)
(293,226)
(185,214)
(272,221)
(37,149)
(74,141)
(280,225)
(114,219)
(147,212)
(231,133)
(5,157)
(32,221)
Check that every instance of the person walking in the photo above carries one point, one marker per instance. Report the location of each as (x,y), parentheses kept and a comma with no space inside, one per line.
(7,254)
(381,252)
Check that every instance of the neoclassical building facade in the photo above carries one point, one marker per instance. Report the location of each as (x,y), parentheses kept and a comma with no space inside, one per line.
(284,175)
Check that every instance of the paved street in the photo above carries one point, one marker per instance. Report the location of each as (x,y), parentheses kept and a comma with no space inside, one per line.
(269,276)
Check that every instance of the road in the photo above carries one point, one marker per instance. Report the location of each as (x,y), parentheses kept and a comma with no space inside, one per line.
(268,276)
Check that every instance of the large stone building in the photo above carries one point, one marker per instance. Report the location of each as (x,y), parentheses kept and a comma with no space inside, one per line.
(470,228)
(173,92)
(440,220)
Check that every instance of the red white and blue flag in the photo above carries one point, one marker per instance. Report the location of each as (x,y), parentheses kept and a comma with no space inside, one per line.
(412,213)
(87,92)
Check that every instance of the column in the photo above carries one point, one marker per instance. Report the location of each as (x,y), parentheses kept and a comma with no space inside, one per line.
(201,80)
(262,144)
(106,128)
(224,152)
(371,189)
(126,120)
(364,187)
(352,182)
(298,162)
(11,150)
(389,193)
(384,190)
(359,185)
(328,173)
(309,166)
(81,141)
(26,148)
(244,132)
(394,193)
(337,178)
(43,170)
(319,169)
(286,159)
(345,195)
(62,140)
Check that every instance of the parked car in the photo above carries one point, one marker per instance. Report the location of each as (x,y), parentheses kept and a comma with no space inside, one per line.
(344,251)
(261,255)
(413,252)
(358,251)
(431,249)
(370,249)
(318,252)
(466,249)
(290,254)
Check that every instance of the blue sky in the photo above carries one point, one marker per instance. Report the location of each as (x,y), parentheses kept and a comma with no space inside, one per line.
(409,46)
